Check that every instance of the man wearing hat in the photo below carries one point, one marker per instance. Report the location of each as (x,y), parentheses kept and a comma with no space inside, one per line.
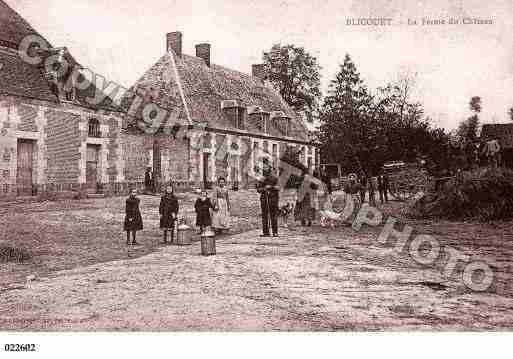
(269,203)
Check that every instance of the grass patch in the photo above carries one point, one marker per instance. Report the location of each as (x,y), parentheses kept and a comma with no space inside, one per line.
(11,254)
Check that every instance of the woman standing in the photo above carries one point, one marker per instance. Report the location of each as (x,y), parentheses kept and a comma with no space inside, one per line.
(353,193)
(306,198)
(221,199)
(168,210)
(202,207)
(133,219)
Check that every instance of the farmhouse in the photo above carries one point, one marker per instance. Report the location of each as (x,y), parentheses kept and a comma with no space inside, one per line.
(53,139)
(235,122)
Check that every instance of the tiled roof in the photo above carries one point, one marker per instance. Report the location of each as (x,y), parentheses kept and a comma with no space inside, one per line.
(205,87)
(13,27)
(502,131)
(22,79)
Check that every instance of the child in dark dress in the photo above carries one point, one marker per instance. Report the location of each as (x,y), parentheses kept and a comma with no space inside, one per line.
(168,211)
(203,206)
(133,219)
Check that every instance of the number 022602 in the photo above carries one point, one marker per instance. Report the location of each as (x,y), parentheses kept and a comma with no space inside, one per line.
(20,347)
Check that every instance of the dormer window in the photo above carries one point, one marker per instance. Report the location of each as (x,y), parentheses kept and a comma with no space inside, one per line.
(281,121)
(259,118)
(94,128)
(235,112)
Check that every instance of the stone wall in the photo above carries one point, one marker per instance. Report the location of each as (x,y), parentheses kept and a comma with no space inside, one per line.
(137,152)
(62,147)
(59,133)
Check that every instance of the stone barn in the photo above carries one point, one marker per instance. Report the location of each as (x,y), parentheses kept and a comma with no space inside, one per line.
(55,139)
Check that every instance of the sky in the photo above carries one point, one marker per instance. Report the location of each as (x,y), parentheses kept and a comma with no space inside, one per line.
(121,39)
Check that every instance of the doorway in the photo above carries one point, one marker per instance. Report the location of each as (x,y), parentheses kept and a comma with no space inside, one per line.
(157,166)
(206,172)
(92,159)
(24,180)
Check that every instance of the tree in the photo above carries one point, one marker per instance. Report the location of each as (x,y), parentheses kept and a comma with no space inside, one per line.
(345,131)
(362,131)
(296,75)
(467,129)
(510,113)
(475,104)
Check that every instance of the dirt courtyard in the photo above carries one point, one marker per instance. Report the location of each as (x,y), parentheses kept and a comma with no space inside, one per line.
(313,278)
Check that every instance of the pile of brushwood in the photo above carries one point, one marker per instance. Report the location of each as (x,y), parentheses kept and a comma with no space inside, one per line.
(485,194)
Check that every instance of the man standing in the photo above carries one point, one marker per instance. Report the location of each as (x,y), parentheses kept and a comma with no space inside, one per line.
(148,181)
(363,186)
(383,187)
(325,177)
(269,200)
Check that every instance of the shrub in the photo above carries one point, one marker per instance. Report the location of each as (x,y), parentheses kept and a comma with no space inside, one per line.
(485,194)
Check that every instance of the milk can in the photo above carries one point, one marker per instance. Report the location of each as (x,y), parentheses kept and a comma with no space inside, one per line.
(183,234)
(208,242)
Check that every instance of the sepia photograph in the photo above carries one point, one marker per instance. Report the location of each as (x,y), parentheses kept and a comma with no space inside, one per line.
(254,167)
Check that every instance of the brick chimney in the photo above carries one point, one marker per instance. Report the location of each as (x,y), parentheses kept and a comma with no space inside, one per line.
(203,51)
(258,71)
(174,42)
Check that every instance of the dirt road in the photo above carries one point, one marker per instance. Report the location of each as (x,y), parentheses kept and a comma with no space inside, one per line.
(308,279)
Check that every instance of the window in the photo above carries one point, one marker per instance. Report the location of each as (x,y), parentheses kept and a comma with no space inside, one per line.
(207,140)
(7,155)
(265,122)
(240,118)
(275,154)
(285,125)
(94,128)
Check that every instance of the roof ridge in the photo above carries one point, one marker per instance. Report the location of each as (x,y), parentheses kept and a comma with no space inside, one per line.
(180,87)
(18,18)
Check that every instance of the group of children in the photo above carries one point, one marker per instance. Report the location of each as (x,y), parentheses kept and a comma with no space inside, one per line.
(215,212)
(168,210)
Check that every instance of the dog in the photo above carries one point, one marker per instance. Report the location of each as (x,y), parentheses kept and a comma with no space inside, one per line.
(284,213)
(328,217)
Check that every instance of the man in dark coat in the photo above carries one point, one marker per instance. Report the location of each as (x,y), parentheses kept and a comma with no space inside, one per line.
(148,181)
(168,211)
(133,220)
(363,184)
(325,177)
(269,201)
(383,187)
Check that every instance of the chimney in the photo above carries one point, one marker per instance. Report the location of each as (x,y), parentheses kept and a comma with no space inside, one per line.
(203,51)
(258,71)
(174,42)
